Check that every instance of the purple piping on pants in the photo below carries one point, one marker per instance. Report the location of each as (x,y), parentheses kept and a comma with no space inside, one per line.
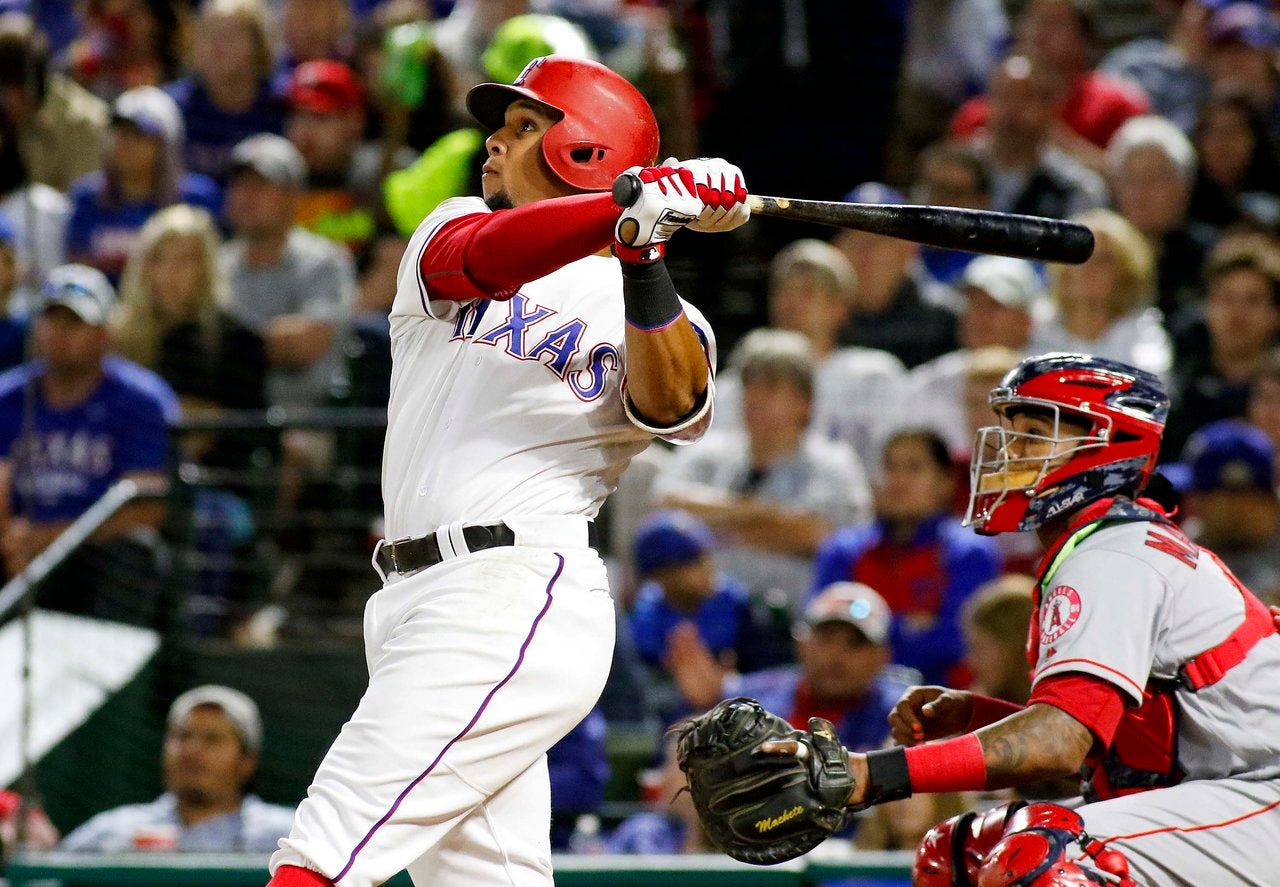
(483,705)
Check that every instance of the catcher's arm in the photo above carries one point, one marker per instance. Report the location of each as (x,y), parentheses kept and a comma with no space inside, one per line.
(1039,742)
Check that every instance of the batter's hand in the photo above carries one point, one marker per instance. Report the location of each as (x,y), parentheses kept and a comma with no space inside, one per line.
(925,713)
(722,190)
(668,201)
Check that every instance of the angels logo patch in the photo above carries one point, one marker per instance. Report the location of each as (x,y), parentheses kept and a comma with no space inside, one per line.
(1058,612)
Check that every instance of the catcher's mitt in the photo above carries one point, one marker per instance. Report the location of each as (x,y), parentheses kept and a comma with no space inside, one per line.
(763,808)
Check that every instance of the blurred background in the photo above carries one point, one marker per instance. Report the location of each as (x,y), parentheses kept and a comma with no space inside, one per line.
(203,206)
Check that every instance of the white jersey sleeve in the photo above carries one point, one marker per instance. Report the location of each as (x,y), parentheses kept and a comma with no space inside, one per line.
(412,299)
(1101,612)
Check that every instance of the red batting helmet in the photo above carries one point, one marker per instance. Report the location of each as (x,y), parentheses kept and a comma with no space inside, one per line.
(605,124)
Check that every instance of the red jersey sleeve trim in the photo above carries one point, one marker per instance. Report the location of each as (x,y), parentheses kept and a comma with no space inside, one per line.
(1094,702)
(491,255)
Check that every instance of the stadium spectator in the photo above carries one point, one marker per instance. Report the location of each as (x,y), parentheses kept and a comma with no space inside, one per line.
(1104,306)
(579,769)
(843,671)
(950,174)
(60,124)
(228,96)
(995,623)
(311,30)
(1166,64)
(35,214)
(1004,298)
(13,321)
(291,287)
(1264,401)
(952,48)
(897,307)
(1242,322)
(1151,165)
(212,745)
(124,44)
(684,599)
(915,553)
(1242,38)
(812,290)
(772,491)
(1231,502)
(342,199)
(1062,35)
(142,171)
(171,318)
(1029,172)
(1239,173)
(72,423)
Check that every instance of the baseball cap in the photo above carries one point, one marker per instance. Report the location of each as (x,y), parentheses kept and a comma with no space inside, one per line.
(152,111)
(239,709)
(84,290)
(324,86)
(669,539)
(854,603)
(271,156)
(1230,455)
(1013,283)
(1244,23)
(874,192)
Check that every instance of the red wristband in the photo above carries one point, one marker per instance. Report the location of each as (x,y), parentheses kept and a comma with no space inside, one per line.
(952,765)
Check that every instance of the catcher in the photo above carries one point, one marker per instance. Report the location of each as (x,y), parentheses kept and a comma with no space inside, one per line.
(1152,668)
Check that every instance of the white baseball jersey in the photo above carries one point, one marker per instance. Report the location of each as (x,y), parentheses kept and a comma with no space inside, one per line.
(510,407)
(499,410)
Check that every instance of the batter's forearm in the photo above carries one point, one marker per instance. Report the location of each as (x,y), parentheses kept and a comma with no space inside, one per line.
(1039,742)
(667,372)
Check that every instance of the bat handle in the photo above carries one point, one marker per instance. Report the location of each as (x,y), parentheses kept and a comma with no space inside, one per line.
(627,189)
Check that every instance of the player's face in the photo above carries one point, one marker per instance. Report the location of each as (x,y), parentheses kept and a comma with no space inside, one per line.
(203,758)
(515,172)
(1034,440)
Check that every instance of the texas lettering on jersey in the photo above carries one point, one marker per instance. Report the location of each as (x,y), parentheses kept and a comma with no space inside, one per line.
(553,344)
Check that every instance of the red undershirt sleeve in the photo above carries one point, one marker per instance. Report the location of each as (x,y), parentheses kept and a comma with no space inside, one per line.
(1097,704)
(987,710)
(491,255)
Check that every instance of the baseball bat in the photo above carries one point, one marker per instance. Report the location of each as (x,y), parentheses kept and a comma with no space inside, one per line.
(946,227)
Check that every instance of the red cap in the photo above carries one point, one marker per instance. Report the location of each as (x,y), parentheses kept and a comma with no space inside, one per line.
(325,87)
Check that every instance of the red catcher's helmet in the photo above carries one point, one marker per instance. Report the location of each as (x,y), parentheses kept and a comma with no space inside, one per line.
(1123,411)
(605,125)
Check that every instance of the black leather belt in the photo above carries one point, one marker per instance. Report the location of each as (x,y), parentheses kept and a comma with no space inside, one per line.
(411,555)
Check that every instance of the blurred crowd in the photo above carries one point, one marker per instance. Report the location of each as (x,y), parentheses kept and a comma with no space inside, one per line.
(203,206)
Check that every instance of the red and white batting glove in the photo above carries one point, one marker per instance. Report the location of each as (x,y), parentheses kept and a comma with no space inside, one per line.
(721,188)
(668,201)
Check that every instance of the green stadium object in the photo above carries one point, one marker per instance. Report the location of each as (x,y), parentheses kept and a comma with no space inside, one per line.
(402,79)
(523,38)
(441,172)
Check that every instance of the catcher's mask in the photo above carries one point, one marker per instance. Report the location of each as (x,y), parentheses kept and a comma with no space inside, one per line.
(1019,480)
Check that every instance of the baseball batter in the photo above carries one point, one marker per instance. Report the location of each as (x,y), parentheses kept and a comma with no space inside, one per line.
(1153,667)
(530,365)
